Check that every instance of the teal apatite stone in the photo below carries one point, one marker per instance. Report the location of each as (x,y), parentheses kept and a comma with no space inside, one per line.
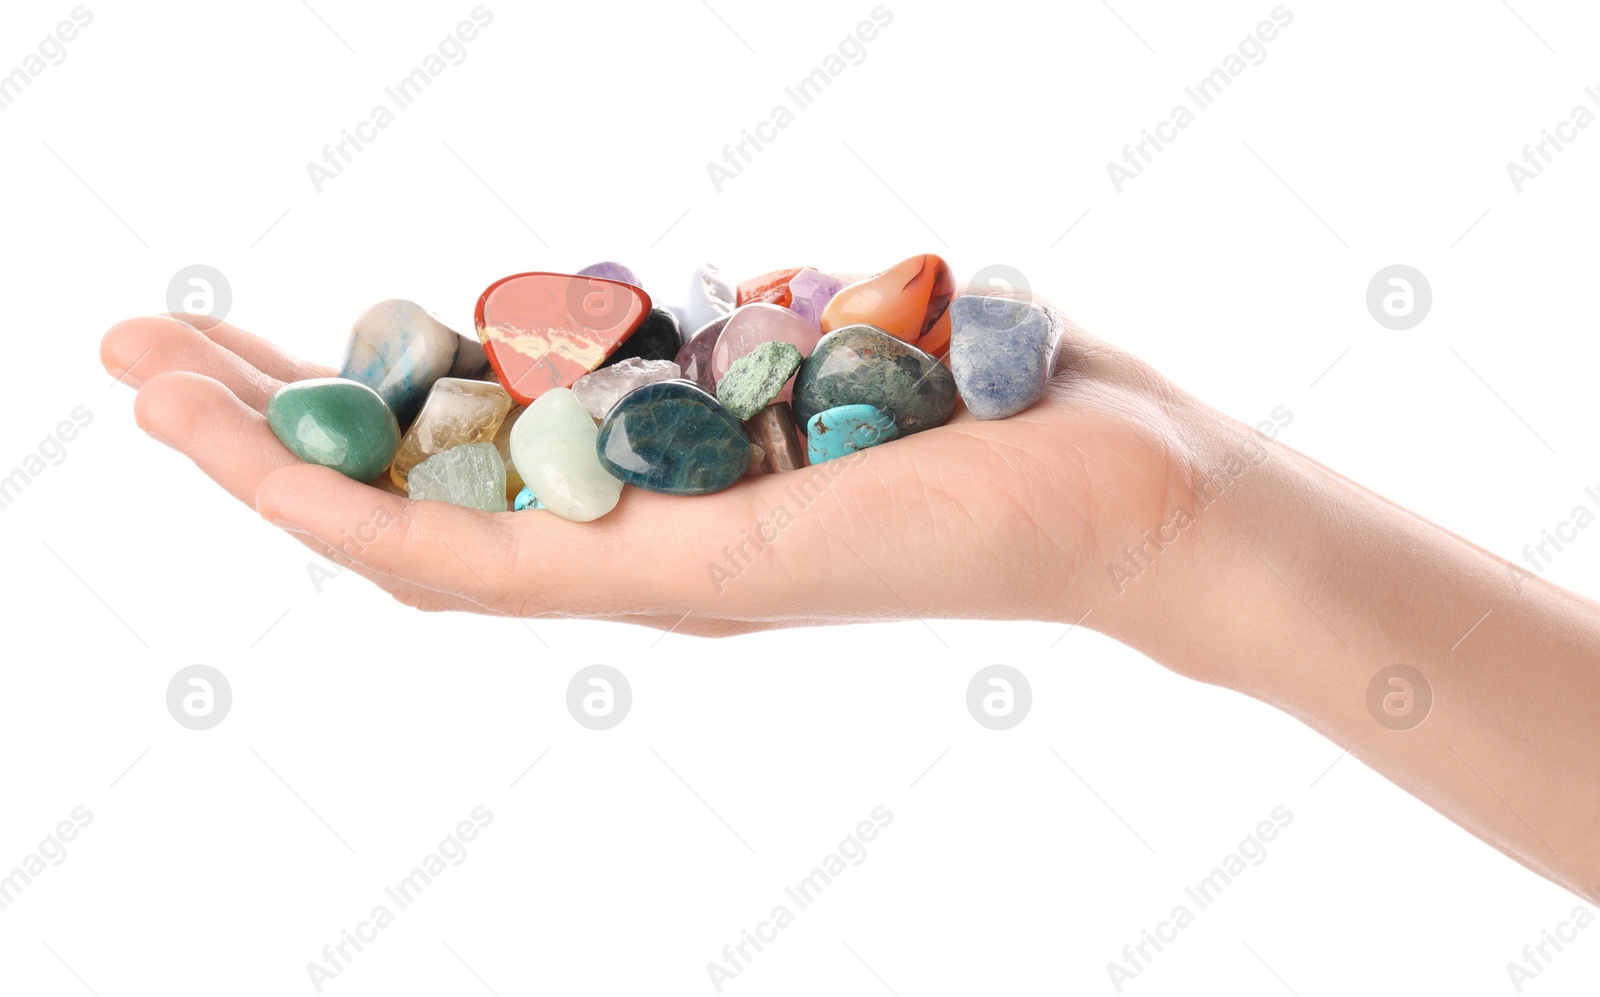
(847,429)
(674,438)
(863,365)
(337,423)
(526,500)
(471,475)
(755,379)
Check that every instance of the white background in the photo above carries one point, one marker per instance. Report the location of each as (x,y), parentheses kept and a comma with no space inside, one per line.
(1021,862)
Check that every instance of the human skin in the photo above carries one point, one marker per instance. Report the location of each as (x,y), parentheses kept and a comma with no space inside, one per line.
(1288,582)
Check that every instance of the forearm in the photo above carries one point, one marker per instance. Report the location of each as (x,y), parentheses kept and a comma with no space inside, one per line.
(1299,586)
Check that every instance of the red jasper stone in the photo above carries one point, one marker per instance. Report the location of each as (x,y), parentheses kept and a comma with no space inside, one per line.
(773,288)
(545,330)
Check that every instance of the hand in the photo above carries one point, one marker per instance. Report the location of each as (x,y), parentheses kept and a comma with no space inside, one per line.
(1008,519)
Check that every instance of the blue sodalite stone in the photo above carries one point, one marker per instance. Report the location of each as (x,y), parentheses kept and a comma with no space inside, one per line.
(398,350)
(672,437)
(847,429)
(526,500)
(1001,352)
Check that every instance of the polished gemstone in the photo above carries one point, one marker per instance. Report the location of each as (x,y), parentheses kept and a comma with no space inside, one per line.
(526,500)
(337,423)
(812,290)
(599,391)
(910,301)
(695,357)
(863,365)
(1001,353)
(398,350)
(711,296)
(773,288)
(847,429)
(773,432)
(611,270)
(752,325)
(553,447)
(502,443)
(674,438)
(659,337)
(458,411)
(545,330)
(755,379)
(471,475)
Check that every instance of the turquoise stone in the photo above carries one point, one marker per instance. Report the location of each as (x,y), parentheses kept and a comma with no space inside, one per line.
(471,475)
(863,365)
(755,379)
(672,437)
(1001,353)
(398,350)
(337,423)
(847,429)
(526,500)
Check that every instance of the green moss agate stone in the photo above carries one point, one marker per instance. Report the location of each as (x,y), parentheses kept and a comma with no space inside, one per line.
(673,437)
(337,423)
(755,379)
(471,475)
(863,365)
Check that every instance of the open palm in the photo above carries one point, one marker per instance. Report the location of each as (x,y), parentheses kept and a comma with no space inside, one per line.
(1009,519)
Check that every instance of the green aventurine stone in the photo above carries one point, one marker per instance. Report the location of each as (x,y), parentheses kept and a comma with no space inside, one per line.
(755,379)
(337,423)
(471,475)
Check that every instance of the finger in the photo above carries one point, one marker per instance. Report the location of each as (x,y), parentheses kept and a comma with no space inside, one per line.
(138,350)
(527,563)
(261,354)
(231,443)
(407,594)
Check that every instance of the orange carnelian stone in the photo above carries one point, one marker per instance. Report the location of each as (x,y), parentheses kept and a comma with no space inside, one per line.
(773,288)
(910,301)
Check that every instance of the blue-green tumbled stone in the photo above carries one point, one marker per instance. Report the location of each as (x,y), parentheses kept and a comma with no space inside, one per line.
(526,500)
(863,365)
(847,429)
(337,423)
(672,437)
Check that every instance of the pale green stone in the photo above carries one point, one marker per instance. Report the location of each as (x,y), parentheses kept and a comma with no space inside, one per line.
(471,475)
(553,448)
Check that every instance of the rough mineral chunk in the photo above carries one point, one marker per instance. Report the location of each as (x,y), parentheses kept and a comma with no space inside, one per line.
(472,475)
